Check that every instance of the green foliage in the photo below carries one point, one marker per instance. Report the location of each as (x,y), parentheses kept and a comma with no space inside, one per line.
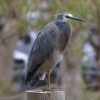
(5,89)
(89,95)
(84,9)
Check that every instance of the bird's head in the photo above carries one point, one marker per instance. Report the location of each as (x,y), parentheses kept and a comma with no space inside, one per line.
(65,17)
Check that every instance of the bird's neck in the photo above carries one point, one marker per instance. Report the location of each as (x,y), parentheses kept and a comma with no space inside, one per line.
(65,32)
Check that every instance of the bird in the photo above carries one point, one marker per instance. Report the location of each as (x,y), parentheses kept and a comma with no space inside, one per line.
(48,48)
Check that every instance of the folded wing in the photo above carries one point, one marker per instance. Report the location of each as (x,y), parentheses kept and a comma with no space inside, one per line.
(41,49)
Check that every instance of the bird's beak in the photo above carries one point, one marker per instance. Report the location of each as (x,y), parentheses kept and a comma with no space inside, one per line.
(79,19)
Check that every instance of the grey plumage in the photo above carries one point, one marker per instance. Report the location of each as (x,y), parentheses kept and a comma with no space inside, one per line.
(42,48)
(48,48)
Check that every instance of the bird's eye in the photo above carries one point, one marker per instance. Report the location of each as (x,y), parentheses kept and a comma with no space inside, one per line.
(67,16)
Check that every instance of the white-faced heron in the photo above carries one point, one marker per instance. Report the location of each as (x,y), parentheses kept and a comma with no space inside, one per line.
(48,48)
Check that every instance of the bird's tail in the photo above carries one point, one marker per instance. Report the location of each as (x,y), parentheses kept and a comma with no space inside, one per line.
(34,81)
(26,78)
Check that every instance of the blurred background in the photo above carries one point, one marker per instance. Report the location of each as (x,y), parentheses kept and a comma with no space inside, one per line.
(79,71)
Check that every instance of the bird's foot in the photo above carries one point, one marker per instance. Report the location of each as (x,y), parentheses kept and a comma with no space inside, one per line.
(48,89)
(51,90)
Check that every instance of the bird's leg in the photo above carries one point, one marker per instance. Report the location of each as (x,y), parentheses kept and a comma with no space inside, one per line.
(49,89)
(48,81)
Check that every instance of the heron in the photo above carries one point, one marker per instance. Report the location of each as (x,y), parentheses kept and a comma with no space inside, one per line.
(48,48)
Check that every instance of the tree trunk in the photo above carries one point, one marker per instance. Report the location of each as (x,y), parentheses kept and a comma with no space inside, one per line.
(9,38)
(70,72)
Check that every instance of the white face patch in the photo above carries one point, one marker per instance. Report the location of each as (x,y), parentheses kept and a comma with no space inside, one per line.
(65,19)
(69,15)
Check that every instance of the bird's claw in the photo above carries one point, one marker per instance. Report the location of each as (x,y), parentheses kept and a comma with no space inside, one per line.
(51,90)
